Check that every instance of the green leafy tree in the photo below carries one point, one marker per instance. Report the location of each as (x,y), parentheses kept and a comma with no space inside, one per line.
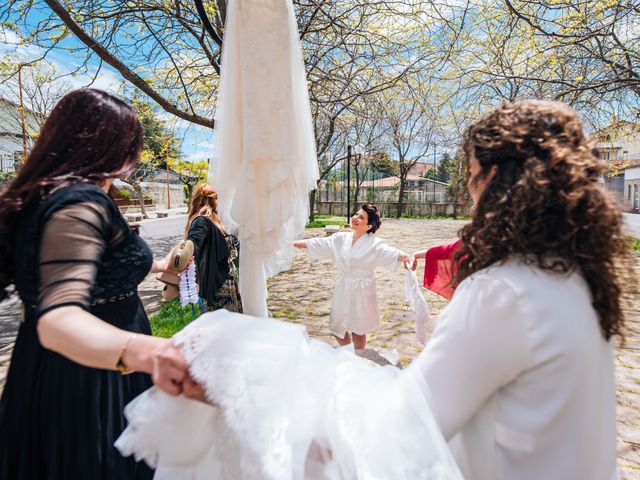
(383,164)
(432,174)
(443,170)
(160,147)
(457,188)
(190,174)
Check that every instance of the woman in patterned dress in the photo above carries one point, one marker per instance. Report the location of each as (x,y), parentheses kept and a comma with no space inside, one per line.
(216,252)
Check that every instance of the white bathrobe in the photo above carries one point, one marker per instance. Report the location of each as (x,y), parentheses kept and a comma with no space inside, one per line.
(355,304)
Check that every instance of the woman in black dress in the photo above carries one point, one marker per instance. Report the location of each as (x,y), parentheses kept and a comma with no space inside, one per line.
(215,250)
(76,265)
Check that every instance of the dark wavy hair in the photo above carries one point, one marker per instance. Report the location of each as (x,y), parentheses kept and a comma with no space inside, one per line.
(373,217)
(89,136)
(544,203)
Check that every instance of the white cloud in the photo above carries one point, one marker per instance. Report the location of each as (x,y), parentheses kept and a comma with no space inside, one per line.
(11,47)
(8,37)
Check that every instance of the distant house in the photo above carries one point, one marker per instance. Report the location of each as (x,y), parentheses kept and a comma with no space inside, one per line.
(619,142)
(619,146)
(631,200)
(11,149)
(420,169)
(417,189)
(155,186)
(159,175)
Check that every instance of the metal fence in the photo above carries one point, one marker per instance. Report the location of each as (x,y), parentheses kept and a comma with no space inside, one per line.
(389,210)
(10,163)
(371,186)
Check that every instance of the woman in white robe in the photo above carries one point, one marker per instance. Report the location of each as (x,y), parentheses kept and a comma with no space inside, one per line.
(357,254)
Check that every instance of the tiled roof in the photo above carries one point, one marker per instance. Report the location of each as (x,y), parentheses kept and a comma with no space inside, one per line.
(10,121)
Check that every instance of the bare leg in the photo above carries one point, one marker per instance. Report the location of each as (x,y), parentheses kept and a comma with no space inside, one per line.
(343,341)
(359,341)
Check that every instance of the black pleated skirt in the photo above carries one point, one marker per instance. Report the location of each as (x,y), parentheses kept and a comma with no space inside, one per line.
(59,420)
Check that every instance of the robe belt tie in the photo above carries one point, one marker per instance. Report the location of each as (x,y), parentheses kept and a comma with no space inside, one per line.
(358,281)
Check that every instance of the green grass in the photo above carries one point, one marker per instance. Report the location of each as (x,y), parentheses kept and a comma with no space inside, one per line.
(170,319)
(635,243)
(323,223)
(285,312)
(435,217)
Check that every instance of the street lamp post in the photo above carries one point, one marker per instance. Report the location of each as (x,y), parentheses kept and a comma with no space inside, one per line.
(348,184)
(434,171)
(359,150)
(168,185)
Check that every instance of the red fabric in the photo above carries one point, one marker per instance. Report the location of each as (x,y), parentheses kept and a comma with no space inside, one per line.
(439,269)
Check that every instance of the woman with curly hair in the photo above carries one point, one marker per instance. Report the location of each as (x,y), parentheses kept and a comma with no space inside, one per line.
(354,311)
(520,368)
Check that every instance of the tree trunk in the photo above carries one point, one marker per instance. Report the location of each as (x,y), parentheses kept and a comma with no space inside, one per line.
(140,194)
(400,197)
(312,205)
(189,193)
(355,198)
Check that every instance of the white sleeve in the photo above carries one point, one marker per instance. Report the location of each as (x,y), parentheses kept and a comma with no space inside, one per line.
(386,256)
(320,248)
(480,344)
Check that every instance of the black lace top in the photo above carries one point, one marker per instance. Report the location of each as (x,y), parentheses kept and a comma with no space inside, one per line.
(58,419)
(89,255)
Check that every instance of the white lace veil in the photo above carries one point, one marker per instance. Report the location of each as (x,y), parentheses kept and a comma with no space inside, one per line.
(288,408)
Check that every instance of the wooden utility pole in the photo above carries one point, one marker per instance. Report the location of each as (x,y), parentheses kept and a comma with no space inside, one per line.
(24,130)
(168,189)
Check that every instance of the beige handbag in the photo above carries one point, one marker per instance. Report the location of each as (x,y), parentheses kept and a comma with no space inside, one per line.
(180,255)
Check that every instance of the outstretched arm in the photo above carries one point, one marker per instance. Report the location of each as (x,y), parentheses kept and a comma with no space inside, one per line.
(407,259)
(416,255)
(300,244)
(420,254)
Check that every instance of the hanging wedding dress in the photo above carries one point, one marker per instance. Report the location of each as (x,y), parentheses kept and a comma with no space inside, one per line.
(287,408)
(265,163)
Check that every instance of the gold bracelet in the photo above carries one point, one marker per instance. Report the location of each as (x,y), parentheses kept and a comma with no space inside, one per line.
(121,366)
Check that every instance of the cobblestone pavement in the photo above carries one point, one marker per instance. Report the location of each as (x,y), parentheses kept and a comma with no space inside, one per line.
(303,294)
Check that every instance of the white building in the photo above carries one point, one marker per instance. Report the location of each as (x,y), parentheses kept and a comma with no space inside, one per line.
(11,146)
(619,147)
(632,189)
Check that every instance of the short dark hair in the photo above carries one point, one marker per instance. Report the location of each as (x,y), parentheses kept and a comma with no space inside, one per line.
(373,217)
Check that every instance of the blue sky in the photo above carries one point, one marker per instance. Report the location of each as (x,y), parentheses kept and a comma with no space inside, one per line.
(197,142)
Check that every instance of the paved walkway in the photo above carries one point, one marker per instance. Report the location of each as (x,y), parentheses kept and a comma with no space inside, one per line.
(304,294)
(632,223)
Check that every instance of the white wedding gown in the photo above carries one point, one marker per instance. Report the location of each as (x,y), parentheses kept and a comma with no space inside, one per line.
(265,158)
(287,408)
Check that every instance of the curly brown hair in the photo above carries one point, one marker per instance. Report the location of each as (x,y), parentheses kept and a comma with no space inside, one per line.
(544,202)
